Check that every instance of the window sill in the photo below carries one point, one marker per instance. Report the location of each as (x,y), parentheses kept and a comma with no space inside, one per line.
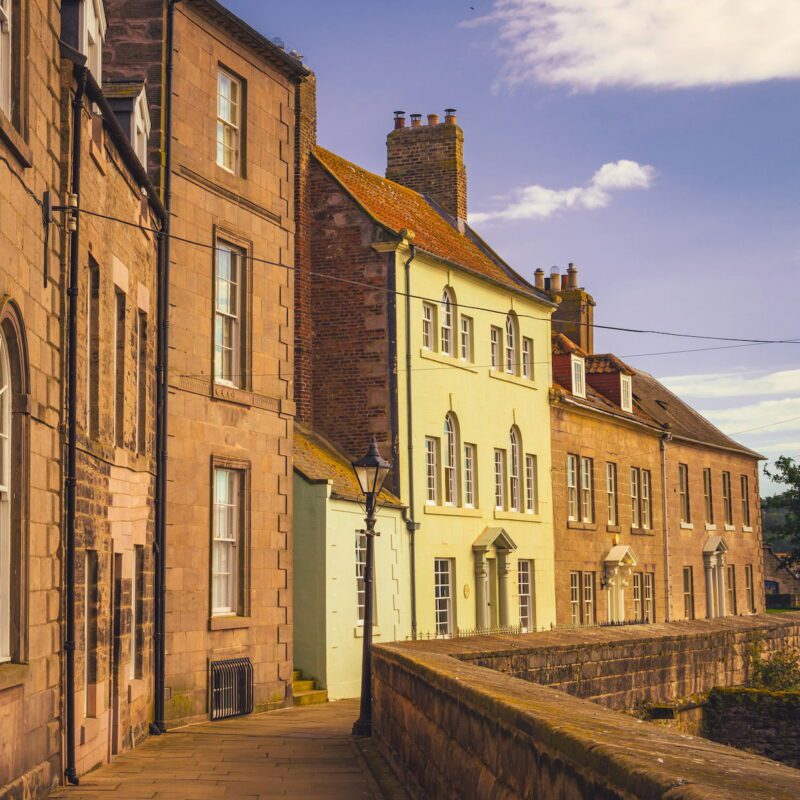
(233,394)
(14,142)
(136,689)
(710,526)
(747,528)
(581,526)
(12,674)
(613,528)
(450,361)
(687,526)
(516,379)
(358,631)
(228,622)
(729,527)
(518,516)
(642,532)
(452,511)
(90,728)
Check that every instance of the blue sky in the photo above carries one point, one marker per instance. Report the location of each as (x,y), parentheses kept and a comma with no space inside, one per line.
(691,225)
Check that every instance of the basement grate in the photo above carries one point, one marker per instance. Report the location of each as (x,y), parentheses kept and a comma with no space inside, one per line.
(231,688)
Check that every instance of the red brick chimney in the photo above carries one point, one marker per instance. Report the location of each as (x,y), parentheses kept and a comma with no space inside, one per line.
(430,159)
(574,316)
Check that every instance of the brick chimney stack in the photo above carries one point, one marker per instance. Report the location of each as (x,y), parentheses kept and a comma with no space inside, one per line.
(430,159)
(574,316)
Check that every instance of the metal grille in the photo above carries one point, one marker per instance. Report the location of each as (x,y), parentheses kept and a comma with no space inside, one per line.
(231,688)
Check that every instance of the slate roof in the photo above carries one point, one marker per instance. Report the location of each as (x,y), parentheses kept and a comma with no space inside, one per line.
(316,459)
(396,207)
(668,409)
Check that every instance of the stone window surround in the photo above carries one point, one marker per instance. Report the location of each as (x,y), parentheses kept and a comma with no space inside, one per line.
(14,128)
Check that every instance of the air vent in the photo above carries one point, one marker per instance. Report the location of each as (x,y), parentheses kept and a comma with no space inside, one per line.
(231,688)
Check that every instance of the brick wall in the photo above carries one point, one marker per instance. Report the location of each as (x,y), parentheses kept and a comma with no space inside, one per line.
(351,375)
(453,729)
(30,316)
(757,720)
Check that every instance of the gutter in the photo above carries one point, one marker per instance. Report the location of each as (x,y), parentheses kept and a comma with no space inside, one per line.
(665,437)
(408,514)
(159,725)
(70,771)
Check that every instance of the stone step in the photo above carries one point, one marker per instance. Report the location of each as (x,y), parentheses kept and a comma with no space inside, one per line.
(297,674)
(303,686)
(310,698)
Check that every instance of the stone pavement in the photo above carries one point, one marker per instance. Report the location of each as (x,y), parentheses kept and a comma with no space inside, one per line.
(303,752)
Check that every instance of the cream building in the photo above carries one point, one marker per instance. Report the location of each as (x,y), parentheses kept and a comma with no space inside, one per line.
(413,330)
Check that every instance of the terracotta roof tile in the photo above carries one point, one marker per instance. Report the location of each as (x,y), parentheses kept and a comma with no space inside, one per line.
(318,460)
(396,207)
(564,346)
(608,363)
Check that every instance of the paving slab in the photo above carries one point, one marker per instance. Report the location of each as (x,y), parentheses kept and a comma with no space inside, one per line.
(302,752)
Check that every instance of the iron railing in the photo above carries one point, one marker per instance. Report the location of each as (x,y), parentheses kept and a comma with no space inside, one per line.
(231,688)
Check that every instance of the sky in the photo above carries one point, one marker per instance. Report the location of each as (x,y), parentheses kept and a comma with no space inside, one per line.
(653,144)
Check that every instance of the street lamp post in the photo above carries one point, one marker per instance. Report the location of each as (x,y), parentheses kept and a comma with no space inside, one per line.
(371,471)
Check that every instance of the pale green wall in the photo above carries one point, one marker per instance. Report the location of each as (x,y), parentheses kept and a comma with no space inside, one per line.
(486,406)
(328,639)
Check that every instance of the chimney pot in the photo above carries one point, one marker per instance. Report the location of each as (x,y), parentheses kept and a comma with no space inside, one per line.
(433,119)
(416,120)
(399,119)
(572,276)
(538,278)
(450,116)
(555,281)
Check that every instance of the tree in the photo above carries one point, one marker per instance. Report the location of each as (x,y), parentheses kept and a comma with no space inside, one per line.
(786,527)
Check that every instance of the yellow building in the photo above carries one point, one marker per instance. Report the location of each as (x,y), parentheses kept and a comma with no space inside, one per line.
(425,338)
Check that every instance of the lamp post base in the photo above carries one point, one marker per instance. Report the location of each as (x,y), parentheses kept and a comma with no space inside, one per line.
(362,727)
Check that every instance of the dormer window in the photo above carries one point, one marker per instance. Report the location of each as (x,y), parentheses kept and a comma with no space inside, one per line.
(128,101)
(626,393)
(141,128)
(93,34)
(578,376)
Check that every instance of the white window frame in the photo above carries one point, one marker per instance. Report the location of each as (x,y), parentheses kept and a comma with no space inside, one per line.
(432,470)
(578,376)
(6,55)
(465,325)
(499,479)
(446,327)
(511,356)
(527,358)
(531,484)
(727,498)
(730,586)
(495,340)
(515,471)
(429,326)
(588,598)
(93,35)
(744,486)
(361,565)
(636,518)
(587,489)
(683,493)
(750,588)
(525,591)
(228,319)
(688,593)
(229,122)
(443,597)
(141,127)
(626,393)
(470,471)
(450,461)
(638,606)
(572,487)
(575,597)
(227,539)
(648,609)
(646,505)
(708,495)
(611,493)
(7,475)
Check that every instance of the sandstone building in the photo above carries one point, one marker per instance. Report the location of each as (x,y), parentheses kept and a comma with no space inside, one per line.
(227,175)
(656,511)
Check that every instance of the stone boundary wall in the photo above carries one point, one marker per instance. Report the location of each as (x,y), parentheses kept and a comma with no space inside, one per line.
(758,720)
(628,667)
(455,729)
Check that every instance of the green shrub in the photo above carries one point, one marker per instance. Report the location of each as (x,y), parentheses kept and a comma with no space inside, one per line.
(780,672)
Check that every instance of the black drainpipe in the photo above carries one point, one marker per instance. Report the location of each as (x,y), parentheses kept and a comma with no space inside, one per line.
(411,526)
(162,395)
(72,427)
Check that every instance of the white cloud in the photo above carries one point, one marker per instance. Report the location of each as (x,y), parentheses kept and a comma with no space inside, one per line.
(735,384)
(585,44)
(538,202)
(764,417)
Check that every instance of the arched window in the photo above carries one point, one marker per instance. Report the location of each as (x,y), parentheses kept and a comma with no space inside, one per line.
(515,471)
(450,460)
(512,357)
(13,483)
(448,315)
